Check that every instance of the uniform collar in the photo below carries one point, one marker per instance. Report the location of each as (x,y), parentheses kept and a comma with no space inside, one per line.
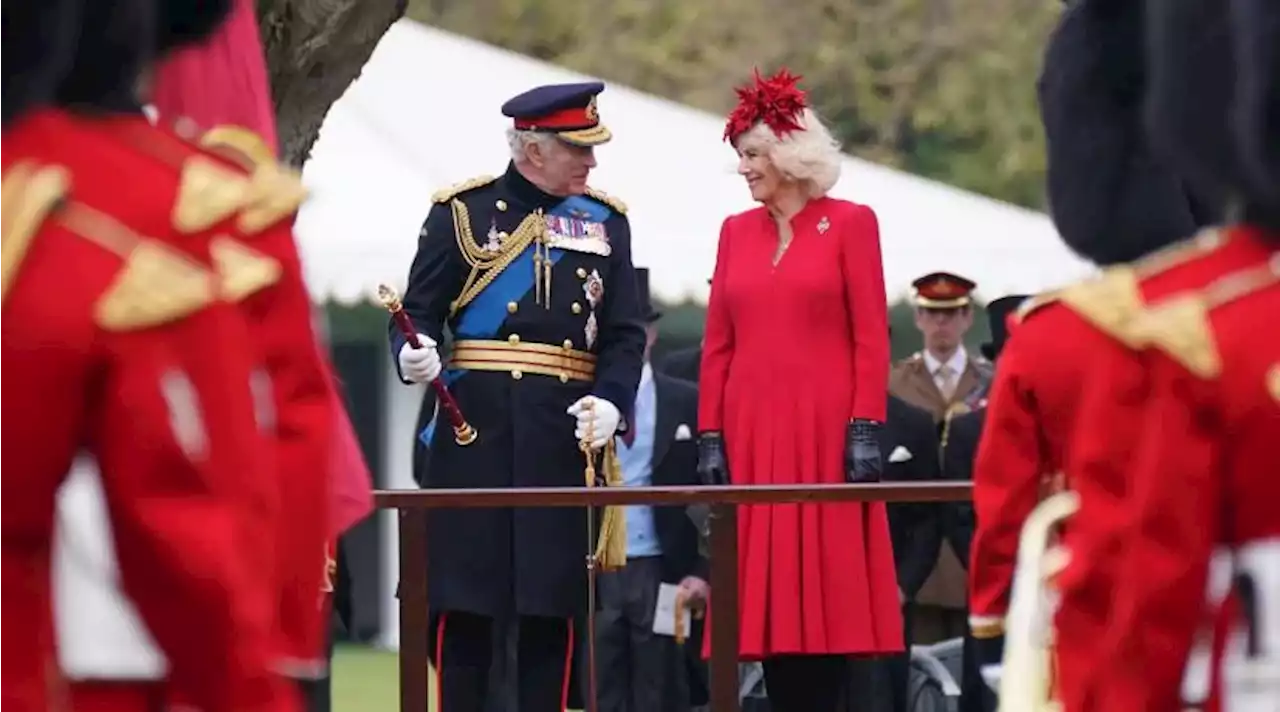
(958,361)
(526,193)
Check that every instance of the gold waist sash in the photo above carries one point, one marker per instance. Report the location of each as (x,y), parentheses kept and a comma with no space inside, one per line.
(518,358)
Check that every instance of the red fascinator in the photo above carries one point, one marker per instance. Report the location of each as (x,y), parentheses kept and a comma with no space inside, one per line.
(776,102)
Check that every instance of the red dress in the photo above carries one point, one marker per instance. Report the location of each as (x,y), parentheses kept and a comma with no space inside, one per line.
(792,354)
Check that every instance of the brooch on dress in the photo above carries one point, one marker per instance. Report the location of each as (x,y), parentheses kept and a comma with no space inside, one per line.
(823,225)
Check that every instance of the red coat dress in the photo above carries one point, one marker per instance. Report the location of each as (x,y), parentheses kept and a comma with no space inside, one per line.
(792,353)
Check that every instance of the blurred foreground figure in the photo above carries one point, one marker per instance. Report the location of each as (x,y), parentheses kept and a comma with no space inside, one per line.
(220,87)
(1117,205)
(1197,596)
(119,350)
(102,642)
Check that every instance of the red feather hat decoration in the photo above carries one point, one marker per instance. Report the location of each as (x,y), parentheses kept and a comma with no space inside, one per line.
(776,102)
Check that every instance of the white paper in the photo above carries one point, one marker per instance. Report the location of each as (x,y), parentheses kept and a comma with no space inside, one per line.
(664,615)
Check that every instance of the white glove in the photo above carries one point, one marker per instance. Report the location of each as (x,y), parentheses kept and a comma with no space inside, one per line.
(597,418)
(420,365)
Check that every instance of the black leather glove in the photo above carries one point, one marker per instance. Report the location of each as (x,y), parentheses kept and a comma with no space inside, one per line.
(713,469)
(862,462)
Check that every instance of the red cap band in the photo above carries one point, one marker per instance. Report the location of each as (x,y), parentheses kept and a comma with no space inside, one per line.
(577,118)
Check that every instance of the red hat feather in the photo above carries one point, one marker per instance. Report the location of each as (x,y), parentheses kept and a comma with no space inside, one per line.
(776,102)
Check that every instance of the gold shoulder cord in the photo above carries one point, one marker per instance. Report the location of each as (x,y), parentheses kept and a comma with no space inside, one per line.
(485,265)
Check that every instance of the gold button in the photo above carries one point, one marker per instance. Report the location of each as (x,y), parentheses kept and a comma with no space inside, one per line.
(576,308)
(513,339)
(517,375)
(582,273)
(501,205)
(503,236)
(568,343)
(564,378)
(512,307)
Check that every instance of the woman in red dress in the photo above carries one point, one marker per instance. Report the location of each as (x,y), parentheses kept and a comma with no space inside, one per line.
(795,368)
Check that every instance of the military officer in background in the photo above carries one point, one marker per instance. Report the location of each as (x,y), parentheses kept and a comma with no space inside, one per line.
(531,273)
(943,379)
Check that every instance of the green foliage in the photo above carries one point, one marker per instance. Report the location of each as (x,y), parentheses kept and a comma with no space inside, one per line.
(943,88)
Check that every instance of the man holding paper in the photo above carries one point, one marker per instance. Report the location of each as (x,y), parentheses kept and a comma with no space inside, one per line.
(646,607)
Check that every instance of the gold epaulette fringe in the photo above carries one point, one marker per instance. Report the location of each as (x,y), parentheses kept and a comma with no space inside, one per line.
(609,200)
(446,194)
(1181,327)
(211,192)
(28,194)
(242,270)
(1035,304)
(1109,302)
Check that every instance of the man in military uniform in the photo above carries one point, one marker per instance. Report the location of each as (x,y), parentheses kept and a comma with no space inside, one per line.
(118,348)
(1180,529)
(943,379)
(531,272)
(1118,205)
(101,640)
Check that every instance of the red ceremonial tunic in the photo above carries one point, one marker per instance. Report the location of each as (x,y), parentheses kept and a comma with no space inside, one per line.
(1109,421)
(1204,491)
(115,345)
(792,354)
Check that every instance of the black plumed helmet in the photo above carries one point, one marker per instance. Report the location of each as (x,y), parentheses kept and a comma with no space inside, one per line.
(1256,111)
(1191,90)
(126,37)
(185,22)
(38,44)
(1111,197)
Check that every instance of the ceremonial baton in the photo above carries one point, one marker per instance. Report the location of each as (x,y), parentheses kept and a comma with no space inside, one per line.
(463,433)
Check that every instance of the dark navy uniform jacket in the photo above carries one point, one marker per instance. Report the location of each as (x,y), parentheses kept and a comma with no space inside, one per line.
(527,561)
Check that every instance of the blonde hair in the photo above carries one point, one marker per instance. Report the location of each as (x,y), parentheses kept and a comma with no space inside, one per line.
(811,155)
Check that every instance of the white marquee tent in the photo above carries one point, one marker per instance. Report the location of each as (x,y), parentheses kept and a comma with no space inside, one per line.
(424,115)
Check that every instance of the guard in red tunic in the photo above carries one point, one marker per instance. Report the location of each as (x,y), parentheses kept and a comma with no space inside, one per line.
(251,223)
(797,311)
(1197,523)
(1113,203)
(234,90)
(130,359)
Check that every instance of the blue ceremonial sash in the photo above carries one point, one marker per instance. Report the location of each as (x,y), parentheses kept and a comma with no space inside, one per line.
(485,315)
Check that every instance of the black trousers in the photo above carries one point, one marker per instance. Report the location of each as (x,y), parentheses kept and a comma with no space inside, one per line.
(805,683)
(465,653)
(637,669)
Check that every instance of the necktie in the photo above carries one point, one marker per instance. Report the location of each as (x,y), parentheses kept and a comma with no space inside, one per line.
(946,381)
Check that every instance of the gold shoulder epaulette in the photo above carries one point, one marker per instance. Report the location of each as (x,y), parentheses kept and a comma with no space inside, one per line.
(248,145)
(208,193)
(1034,304)
(275,193)
(1202,243)
(28,193)
(1109,302)
(242,270)
(157,285)
(1180,328)
(609,200)
(446,194)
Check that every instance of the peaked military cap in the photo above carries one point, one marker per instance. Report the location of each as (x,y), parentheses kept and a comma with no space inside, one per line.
(943,290)
(566,110)
(998,312)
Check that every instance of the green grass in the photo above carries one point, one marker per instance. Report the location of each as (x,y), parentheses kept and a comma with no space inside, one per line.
(367,679)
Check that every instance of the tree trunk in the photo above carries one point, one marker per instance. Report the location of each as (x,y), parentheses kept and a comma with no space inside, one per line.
(314,50)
